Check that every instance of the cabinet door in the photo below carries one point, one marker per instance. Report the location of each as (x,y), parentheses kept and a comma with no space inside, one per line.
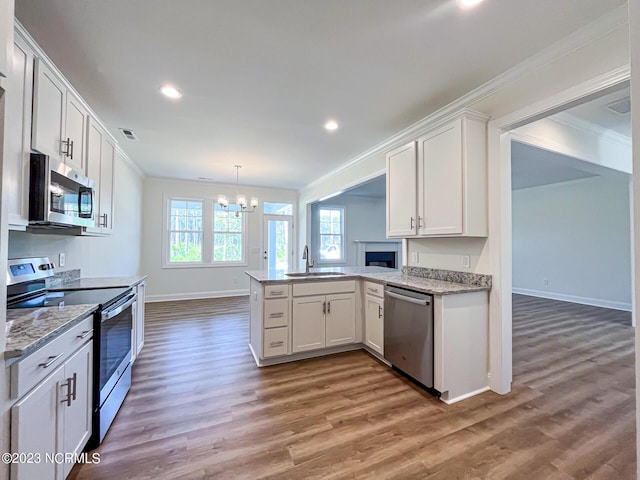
(341,319)
(76,120)
(401,191)
(308,323)
(77,412)
(374,323)
(15,173)
(440,191)
(36,428)
(49,97)
(107,171)
(140,318)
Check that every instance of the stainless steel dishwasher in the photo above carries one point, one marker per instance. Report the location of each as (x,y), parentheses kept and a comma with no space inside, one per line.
(408,333)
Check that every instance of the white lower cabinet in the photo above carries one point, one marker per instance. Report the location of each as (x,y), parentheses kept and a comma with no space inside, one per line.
(54,419)
(137,332)
(374,323)
(323,321)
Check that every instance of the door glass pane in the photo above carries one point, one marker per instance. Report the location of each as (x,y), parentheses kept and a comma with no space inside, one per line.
(277,235)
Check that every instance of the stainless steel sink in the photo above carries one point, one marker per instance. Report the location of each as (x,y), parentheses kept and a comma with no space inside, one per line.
(313,274)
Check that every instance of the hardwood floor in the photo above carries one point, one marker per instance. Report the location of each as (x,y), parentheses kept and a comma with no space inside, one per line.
(200,408)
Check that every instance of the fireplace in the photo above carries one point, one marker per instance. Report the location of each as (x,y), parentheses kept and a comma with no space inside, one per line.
(380,259)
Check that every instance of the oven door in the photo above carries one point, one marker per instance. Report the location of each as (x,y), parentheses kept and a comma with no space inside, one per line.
(116,323)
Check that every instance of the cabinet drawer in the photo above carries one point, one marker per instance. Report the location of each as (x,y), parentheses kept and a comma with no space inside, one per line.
(276,291)
(29,372)
(276,313)
(323,288)
(375,289)
(276,342)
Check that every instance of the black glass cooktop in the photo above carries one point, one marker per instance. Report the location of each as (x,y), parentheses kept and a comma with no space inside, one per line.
(102,297)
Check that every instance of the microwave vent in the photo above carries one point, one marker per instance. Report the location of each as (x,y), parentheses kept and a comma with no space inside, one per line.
(620,107)
(128,133)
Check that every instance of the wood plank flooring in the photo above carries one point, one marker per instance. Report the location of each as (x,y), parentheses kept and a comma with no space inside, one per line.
(199,408)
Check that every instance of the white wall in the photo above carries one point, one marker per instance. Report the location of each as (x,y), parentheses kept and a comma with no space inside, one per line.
(117,254)
(577,236)
(205,281)
(365,219)
(595,50)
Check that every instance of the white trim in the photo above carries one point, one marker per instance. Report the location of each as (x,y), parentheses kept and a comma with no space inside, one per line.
(304,355)
(563,297)
(500,241)
(596,29)
(171,297)
(465,396)
(570,120)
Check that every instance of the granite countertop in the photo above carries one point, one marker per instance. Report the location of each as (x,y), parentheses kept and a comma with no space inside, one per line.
(94,283)
(435,286)
(28,329)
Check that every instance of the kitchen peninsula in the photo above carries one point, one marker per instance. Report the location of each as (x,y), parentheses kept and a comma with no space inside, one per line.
(332,310)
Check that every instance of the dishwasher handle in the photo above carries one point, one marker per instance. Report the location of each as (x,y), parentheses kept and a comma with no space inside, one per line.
(417,301)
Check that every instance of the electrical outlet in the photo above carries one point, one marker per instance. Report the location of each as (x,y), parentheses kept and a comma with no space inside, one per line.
(414,257)
(545,282)
(466,261)
(61,260)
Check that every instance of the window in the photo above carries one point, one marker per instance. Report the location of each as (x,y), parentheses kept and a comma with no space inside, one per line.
(199,233)
(227,236)
(278,208)
(331,234)
(185,231)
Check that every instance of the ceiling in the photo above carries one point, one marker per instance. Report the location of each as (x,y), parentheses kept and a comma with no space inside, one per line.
(261,77)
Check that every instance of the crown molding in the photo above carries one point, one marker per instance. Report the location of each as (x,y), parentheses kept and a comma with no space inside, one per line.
(596,29)
(570,120)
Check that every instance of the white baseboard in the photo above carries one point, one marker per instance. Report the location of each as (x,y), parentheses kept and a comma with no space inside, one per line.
(594,302)
(449,401)
(195,295)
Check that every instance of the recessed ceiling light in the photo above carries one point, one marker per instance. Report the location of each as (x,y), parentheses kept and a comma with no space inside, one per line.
(331,125)
(469,3)
(171,92)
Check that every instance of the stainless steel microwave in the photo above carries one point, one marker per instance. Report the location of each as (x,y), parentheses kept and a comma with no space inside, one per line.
(58,195)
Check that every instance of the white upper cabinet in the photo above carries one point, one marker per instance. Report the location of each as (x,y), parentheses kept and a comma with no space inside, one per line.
(449,184)
(15,173)
(49,103)
(59,119)
(401,191)
(6,27)
(101,153)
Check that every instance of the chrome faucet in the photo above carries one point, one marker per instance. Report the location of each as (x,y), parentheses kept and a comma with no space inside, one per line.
(305,256)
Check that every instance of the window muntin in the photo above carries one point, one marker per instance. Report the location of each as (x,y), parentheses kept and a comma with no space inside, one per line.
(331,233)
(227,235)
(185,230)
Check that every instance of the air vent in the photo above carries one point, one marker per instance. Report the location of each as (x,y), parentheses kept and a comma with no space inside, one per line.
(128,133)
(620,107)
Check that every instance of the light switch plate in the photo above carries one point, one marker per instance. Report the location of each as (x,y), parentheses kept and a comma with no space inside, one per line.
(61,260)
(414,257)
(466,261)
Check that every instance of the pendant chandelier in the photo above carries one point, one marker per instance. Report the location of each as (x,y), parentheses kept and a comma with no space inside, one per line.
(241,200)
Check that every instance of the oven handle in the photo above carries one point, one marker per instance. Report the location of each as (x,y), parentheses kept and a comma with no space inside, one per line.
(109,314)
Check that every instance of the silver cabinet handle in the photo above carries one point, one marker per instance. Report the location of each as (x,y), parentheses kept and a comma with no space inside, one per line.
(71,154)
(373,290)
(51,361)
(84,334)
(68,399)
(328,307)
(276,292)
(419,221)
(67,147)
(104,222)
(324,308)
(74,381)
(276,315)
(379,311)
(279,343)
(412,223)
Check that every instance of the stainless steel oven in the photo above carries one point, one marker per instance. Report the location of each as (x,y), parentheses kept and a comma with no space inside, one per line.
(112,334)
(59,196)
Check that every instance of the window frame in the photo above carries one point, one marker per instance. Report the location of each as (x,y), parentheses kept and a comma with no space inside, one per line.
(243,234)
(207,235)
(343,256)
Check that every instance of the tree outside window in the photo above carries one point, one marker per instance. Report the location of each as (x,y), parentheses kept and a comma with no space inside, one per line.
(227,236)
(331,233)
(185,231)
